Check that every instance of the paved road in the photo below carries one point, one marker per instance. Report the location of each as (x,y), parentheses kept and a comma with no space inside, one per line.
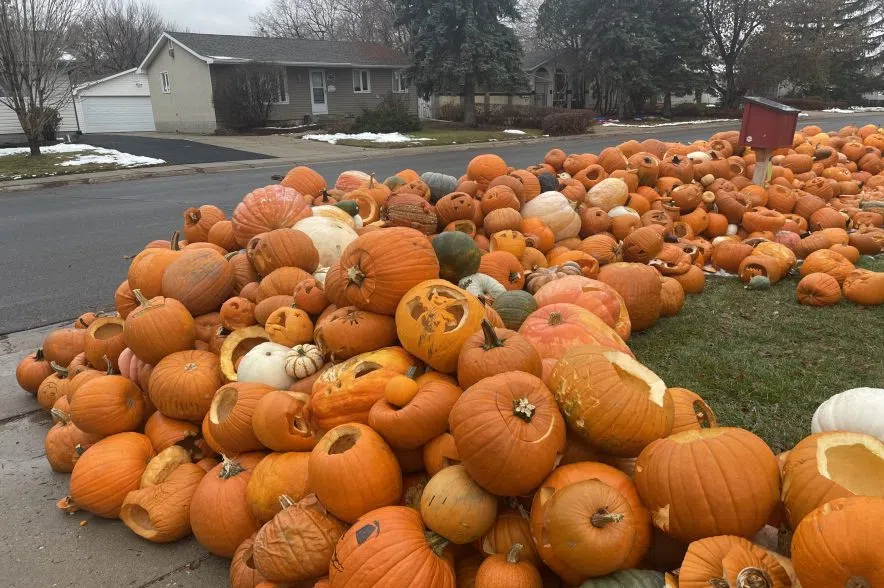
(173,151)
(63,248)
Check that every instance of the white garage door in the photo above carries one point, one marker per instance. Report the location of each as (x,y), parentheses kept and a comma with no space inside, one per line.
(116,114)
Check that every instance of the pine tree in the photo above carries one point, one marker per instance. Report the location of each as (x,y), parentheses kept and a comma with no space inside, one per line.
(680,66)
(460,45)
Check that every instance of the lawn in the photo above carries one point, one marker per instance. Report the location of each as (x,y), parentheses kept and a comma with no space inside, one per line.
(64,159)
(448,137)
(762,361)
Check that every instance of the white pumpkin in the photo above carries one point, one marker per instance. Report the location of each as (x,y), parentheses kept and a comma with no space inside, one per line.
(482,285)
(698,156)
(556,211)
(859,410)
(622,210)
(329,211)
(330,236)
(265,364)
(608,194)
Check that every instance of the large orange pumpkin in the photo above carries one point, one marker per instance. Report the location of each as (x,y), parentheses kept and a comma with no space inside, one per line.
(183,383)
(818,289)
(304,180)
(158,327)
(266,209)
(230,416)
(349,331)
(381,266)
(423,417)
(107,405)
(595,296)
(199,279)
(555,328)
(282,421)
(352,471)
(639,286)
(839,544)
(864,287)
(707,482)
(508,431)
(282,248)
(219,514)
(108,471)
(828,262)
(390,547)
(276,475)
(594,385)
(495,351)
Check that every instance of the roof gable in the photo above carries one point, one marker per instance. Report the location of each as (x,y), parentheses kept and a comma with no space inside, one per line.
(243,49)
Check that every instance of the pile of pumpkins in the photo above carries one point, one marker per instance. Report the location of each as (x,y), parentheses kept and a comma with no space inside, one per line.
(426,381)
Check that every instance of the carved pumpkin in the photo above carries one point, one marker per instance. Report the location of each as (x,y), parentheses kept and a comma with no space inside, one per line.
(281,421)
(503,267)
(289,326)
(161,513)
(864,287)
(266,209)
(440,453)
(730,561)
(349,331)
(108,471)
(690,411)
(831,465)
(433,321)
(839,544)
(390,547)
(679,479)
(508,432)
(352,471)
(230,417)
(419,420)
(224,486)
(297,544)
(642,245)
(555,328)
(346,392)
(183,384)
(199,220)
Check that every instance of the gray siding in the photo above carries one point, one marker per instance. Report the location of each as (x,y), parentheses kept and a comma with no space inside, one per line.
(343,102)
(188,108)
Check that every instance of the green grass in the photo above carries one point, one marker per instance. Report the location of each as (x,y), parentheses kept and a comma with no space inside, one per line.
(448,137)
(761,360)
(18,167)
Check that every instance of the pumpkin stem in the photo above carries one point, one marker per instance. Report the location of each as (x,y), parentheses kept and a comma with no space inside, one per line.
(753,578)
(229,468)
(491,338)
(110,366)
(411,373)
(718,583)
(603,517)
(174,245)
(555,318)
(60,416)
(79,449)
(142,301)
(193,215)
(513,555)
(523,409)
(232,254)
(355,275)
(437,542)
(38,355)
(61,371)
(285,501)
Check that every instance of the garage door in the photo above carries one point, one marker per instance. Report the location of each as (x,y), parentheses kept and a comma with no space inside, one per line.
(116,114)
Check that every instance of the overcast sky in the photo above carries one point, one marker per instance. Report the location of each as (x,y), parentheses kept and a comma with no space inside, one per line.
(226,17)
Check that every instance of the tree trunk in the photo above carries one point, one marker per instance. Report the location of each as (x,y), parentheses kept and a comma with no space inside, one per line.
(34,144)
(469,102)
(487,106)
(730,92)
(667,103)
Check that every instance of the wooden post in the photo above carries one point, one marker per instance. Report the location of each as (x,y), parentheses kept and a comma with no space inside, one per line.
(763,168)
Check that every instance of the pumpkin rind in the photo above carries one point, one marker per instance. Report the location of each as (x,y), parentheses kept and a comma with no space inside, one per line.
(161,513)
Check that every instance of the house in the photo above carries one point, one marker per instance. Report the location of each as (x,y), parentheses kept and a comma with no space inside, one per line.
(11,131)
(115,104)
(187,72)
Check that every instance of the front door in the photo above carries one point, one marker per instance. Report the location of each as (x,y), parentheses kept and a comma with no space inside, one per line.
(318,93)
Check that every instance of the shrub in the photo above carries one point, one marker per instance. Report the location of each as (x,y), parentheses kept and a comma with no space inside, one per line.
(452,111)
(690,109)
(567,122)
(51,121)
(506,115)
(390,116)
(811,103)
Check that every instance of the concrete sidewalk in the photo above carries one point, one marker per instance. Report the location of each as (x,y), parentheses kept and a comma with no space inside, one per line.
(42,546)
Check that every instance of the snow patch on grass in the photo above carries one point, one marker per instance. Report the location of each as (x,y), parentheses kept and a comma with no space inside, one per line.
(617,123)
(514,132)
(333,138)
(88,154)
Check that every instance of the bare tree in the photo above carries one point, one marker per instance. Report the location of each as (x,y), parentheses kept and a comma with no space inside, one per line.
(115,35)
(335,20)
(34,64)
(246,97)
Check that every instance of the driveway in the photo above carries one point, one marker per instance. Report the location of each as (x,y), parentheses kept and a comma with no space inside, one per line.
(173,151)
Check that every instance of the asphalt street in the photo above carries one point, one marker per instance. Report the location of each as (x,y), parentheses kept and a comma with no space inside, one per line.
(64,249)
(172,151)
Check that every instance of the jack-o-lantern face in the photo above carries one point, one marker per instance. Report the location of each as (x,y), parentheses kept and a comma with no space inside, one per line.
(434,319)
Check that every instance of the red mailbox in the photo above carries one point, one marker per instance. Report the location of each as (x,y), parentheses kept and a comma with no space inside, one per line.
(767,124)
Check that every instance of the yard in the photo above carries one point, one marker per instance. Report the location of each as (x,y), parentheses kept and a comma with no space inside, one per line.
(761,360)
(429,137)
(64,159)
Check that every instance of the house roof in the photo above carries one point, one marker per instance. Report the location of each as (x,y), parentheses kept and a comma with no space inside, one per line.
(243,49)
(534,59)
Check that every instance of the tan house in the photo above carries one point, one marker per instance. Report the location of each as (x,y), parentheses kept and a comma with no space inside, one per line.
(316,79)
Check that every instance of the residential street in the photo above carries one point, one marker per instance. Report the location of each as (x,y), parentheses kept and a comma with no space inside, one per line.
(64,248)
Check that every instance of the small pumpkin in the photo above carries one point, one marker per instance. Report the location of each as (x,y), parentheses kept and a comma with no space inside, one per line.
(265,363)
(730,561)
(494,351)
(457,508)
(32,370)
(289,326)
(440,453)
(303,361)
(457,254)
(503,267)
(65,442)
(818,289)
(690,411)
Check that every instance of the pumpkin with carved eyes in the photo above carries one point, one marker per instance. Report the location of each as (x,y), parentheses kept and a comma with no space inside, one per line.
(434,319)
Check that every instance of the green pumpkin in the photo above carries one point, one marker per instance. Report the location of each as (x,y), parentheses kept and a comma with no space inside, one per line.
(394,182)
(514,307)
(458,255)
(351,207)
(628,579)
(759,283)
(440,184)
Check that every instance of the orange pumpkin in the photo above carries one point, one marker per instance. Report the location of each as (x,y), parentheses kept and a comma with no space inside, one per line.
(107,405)
(289,326)
(184,383)
(266,209)
(818,289)
(349,331)
(230,417)
(639,286)
(276,475)
(421,419)
(690,411)
(493,351)
(282,421)
(555,328)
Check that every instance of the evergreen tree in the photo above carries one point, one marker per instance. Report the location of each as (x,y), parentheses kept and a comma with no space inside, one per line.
(680,66)
(460,45)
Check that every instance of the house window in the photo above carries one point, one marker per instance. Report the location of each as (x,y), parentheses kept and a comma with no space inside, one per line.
(280,87)
(164,81)
(400,85)
(361,81)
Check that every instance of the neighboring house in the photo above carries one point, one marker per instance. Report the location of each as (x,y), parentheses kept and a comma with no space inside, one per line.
(11,131)
(115,104)
(317,79)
